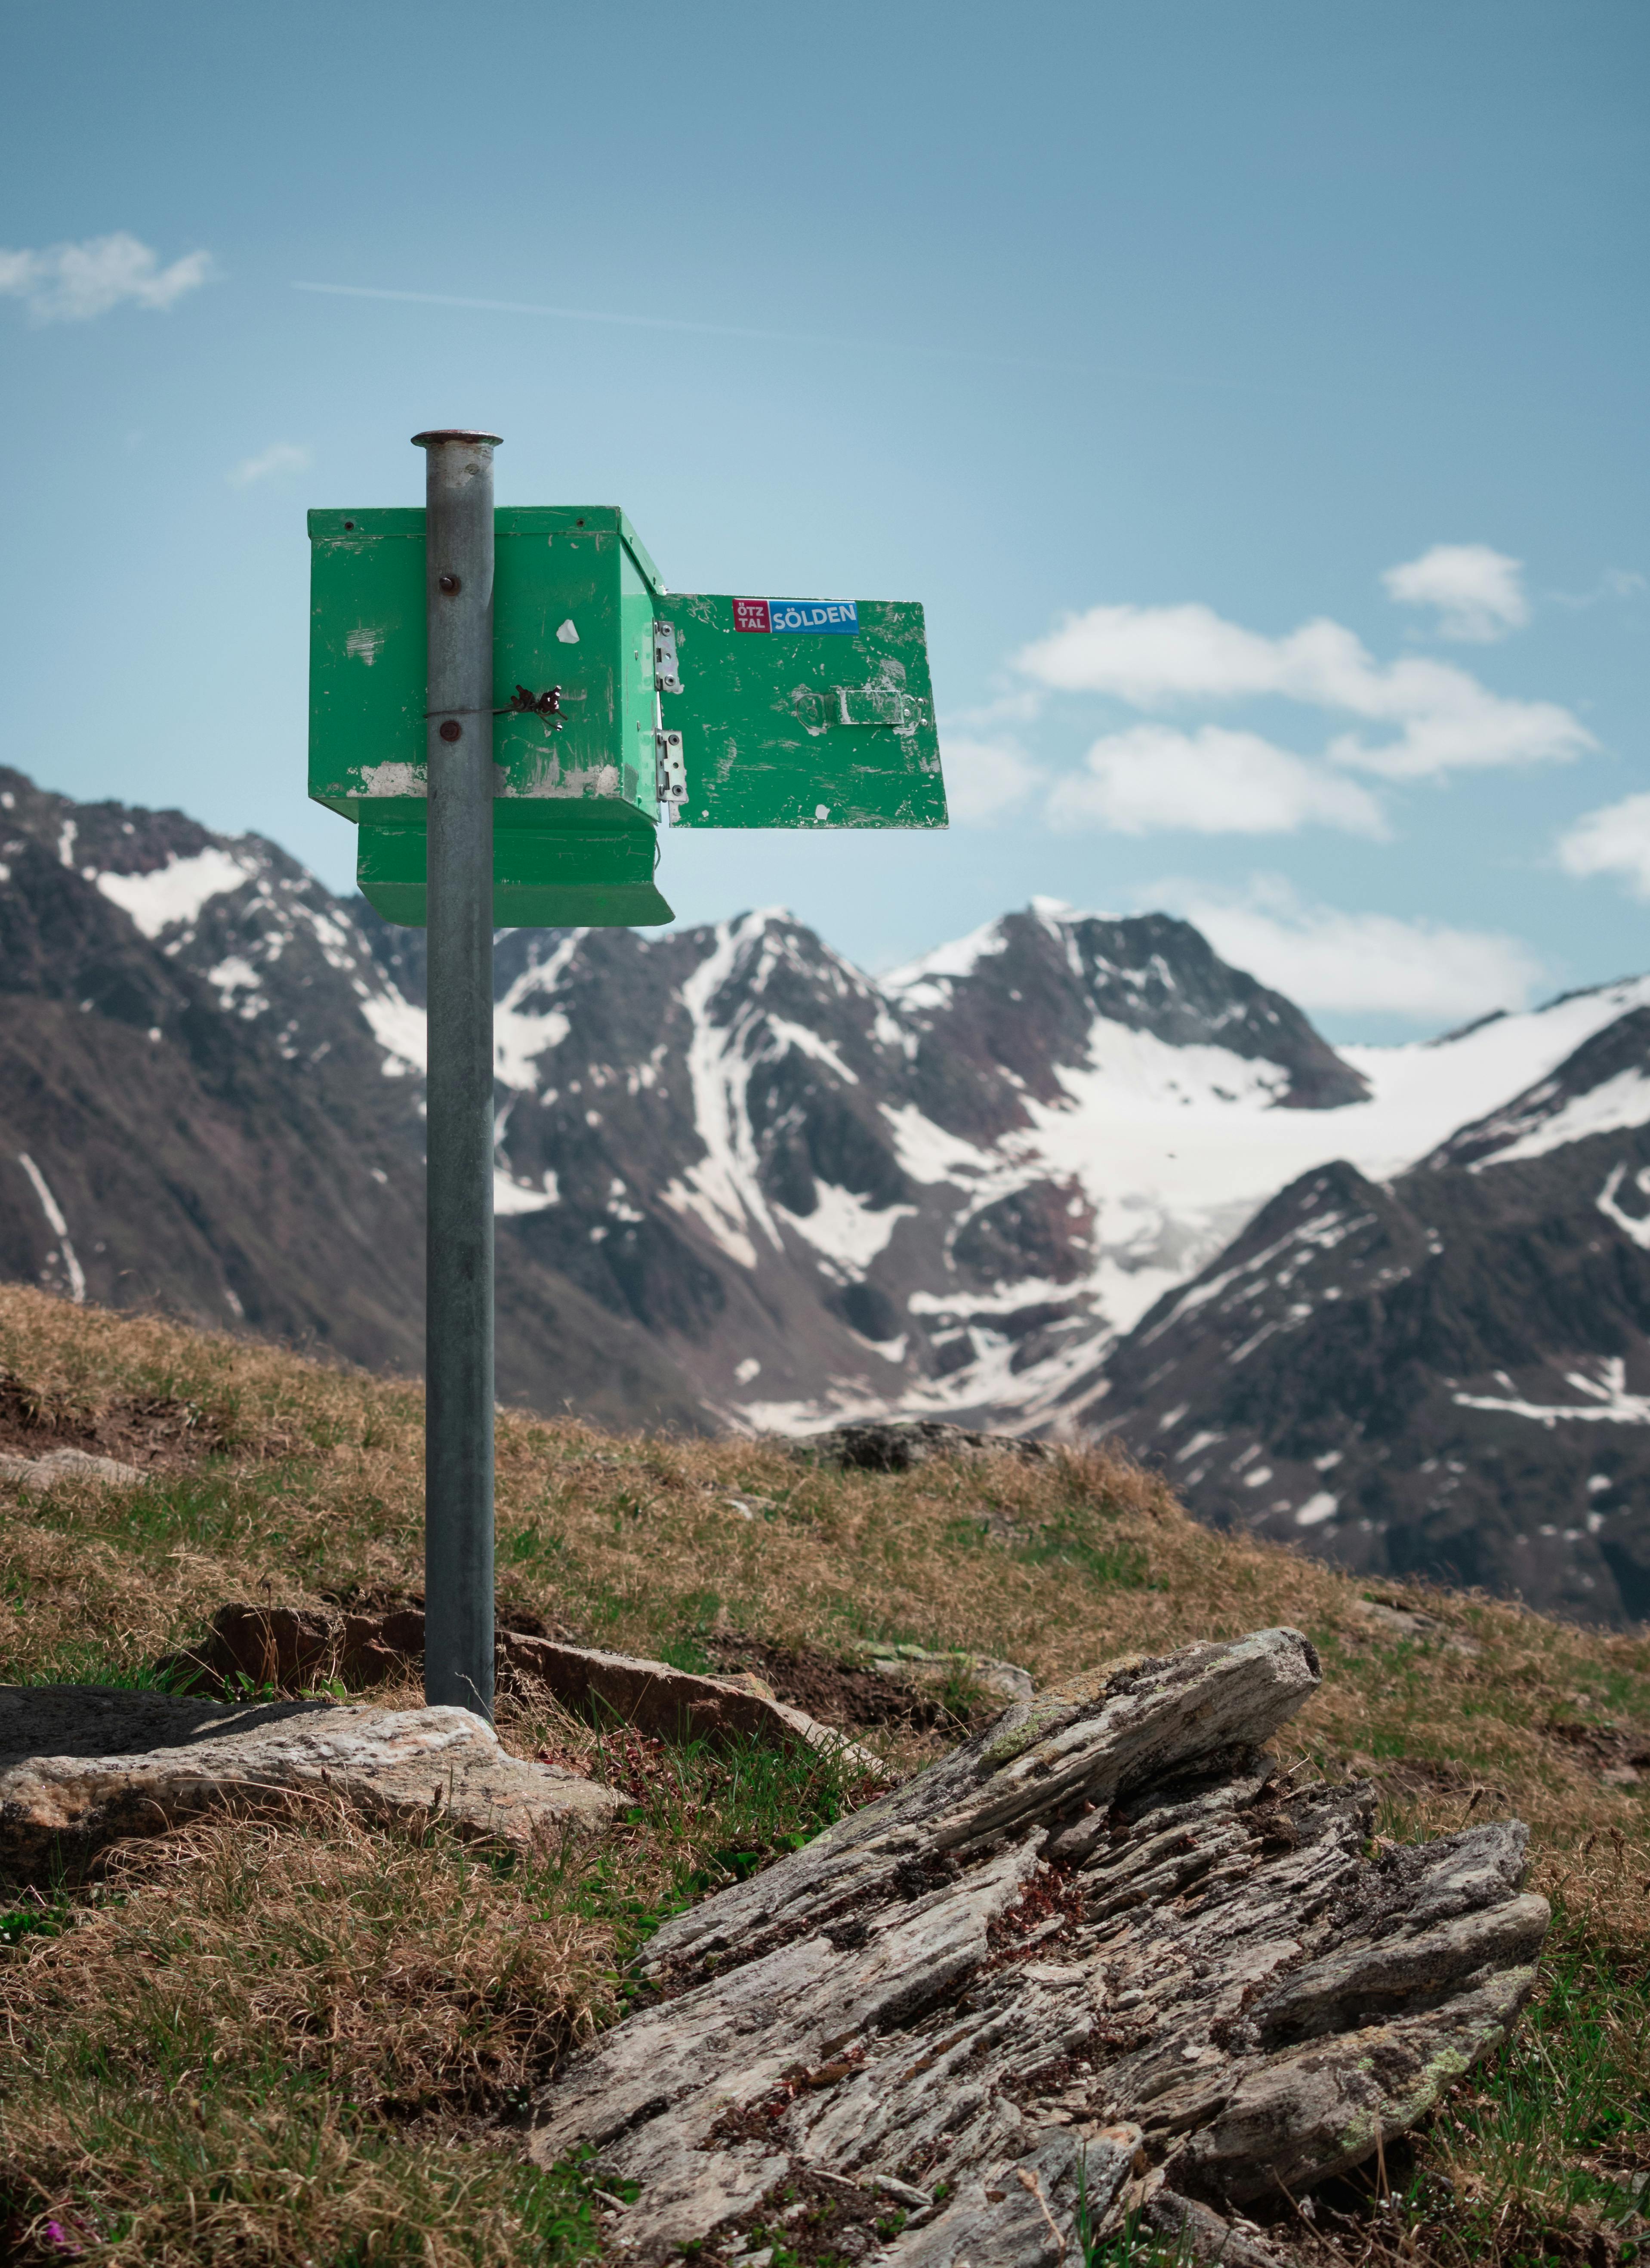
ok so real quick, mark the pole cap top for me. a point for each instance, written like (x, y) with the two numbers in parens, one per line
(456, 433)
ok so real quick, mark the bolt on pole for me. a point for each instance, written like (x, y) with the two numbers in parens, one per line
(459, 1267)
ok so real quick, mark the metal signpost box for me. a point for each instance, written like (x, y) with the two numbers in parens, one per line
(509, 704)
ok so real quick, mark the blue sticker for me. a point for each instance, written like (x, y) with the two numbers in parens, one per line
(840, 615)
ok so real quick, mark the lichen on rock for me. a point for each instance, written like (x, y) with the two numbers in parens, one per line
(1106, 1945)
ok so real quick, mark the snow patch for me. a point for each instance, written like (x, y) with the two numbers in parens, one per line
(399, 1029)
(1610, 1403)
(928, 1154)
(177, 891)
(811, 1045)
(1614, 1106)
(926, 981)
(846, 1228)
(232, 977)
(58, 1226)
(513, 1196)
(1635, 1225)
(723, 1188)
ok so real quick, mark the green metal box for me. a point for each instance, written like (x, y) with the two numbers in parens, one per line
(573, 604)
(710, 711)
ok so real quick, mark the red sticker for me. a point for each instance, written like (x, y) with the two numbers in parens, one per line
(751, 614)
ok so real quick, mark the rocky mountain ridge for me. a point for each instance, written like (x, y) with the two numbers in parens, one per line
(1447, 1374)
(741, 1183)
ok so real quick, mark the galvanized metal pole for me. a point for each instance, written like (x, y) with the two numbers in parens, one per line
(459, 1268)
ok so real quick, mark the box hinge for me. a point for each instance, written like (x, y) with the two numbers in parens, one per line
(673, 772)
(665, 679)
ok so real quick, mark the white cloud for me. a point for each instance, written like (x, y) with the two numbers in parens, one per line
(985, 778)
(1148, 655)
(1211, 782)
(1479, 593)
(1451, 723)
(280, 457)
(71, 282)
(1152, 657)
(1358, 963)
(1614, 583)
(1613, 841)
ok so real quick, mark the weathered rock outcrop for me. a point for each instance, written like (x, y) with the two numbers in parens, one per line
(894, 1445)
(1104, 1948)
(57, 1465)
(919, 1667)
(83, 1766)
(252, 1647)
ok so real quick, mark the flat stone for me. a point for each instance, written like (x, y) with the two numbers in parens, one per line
(674, 1703)
(917, 1666)
(281, 1648)
(85, 1765)
(68, 1465)
(1403, 1622)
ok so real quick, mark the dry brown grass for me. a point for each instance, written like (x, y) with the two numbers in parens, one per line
(404, 1973)
(307, 1478)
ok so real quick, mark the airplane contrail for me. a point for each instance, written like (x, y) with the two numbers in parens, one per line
(682, 323)
(817, 339)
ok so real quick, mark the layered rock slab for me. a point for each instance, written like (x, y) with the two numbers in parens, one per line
(1104, 1945)
(82, 1766)
(288, 1647)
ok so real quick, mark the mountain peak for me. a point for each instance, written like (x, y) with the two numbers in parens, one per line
(740, 1182)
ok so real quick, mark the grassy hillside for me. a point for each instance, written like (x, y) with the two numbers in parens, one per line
(310, 2042)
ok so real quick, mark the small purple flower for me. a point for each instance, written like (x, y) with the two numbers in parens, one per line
(57, 2234)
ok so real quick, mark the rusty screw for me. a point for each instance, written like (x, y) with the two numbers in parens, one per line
(451, 730)
(452, 585)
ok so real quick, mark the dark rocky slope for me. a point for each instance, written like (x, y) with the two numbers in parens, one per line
(738, 1181)
(159, 1143)
(1449, 1377)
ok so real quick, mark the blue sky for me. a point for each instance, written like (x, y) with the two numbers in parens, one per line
(1133, 340)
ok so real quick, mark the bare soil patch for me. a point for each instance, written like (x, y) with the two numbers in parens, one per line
(161, 1431)
(841, 1693)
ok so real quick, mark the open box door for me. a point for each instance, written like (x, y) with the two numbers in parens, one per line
(800, 712)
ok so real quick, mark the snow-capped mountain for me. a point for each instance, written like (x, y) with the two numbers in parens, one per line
(209, 1100)
(835, 1195)
(1030, 1180)
(1445, 1373)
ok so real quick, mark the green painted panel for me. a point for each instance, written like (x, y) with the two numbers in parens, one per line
(806, 728)
(367, 654)
(597, 874)
(573, 605)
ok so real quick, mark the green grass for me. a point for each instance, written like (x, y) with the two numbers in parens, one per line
(269, 2043)
(170, 2113)
(1552, 2130)
(698, 1611)
(90, 1661)
(1132, 2246)
(763, 1801)
(1112, 1566)
(259, 2156)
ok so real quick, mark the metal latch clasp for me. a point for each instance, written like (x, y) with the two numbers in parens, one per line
(673, 771)
(547, 706)
(665, 679)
